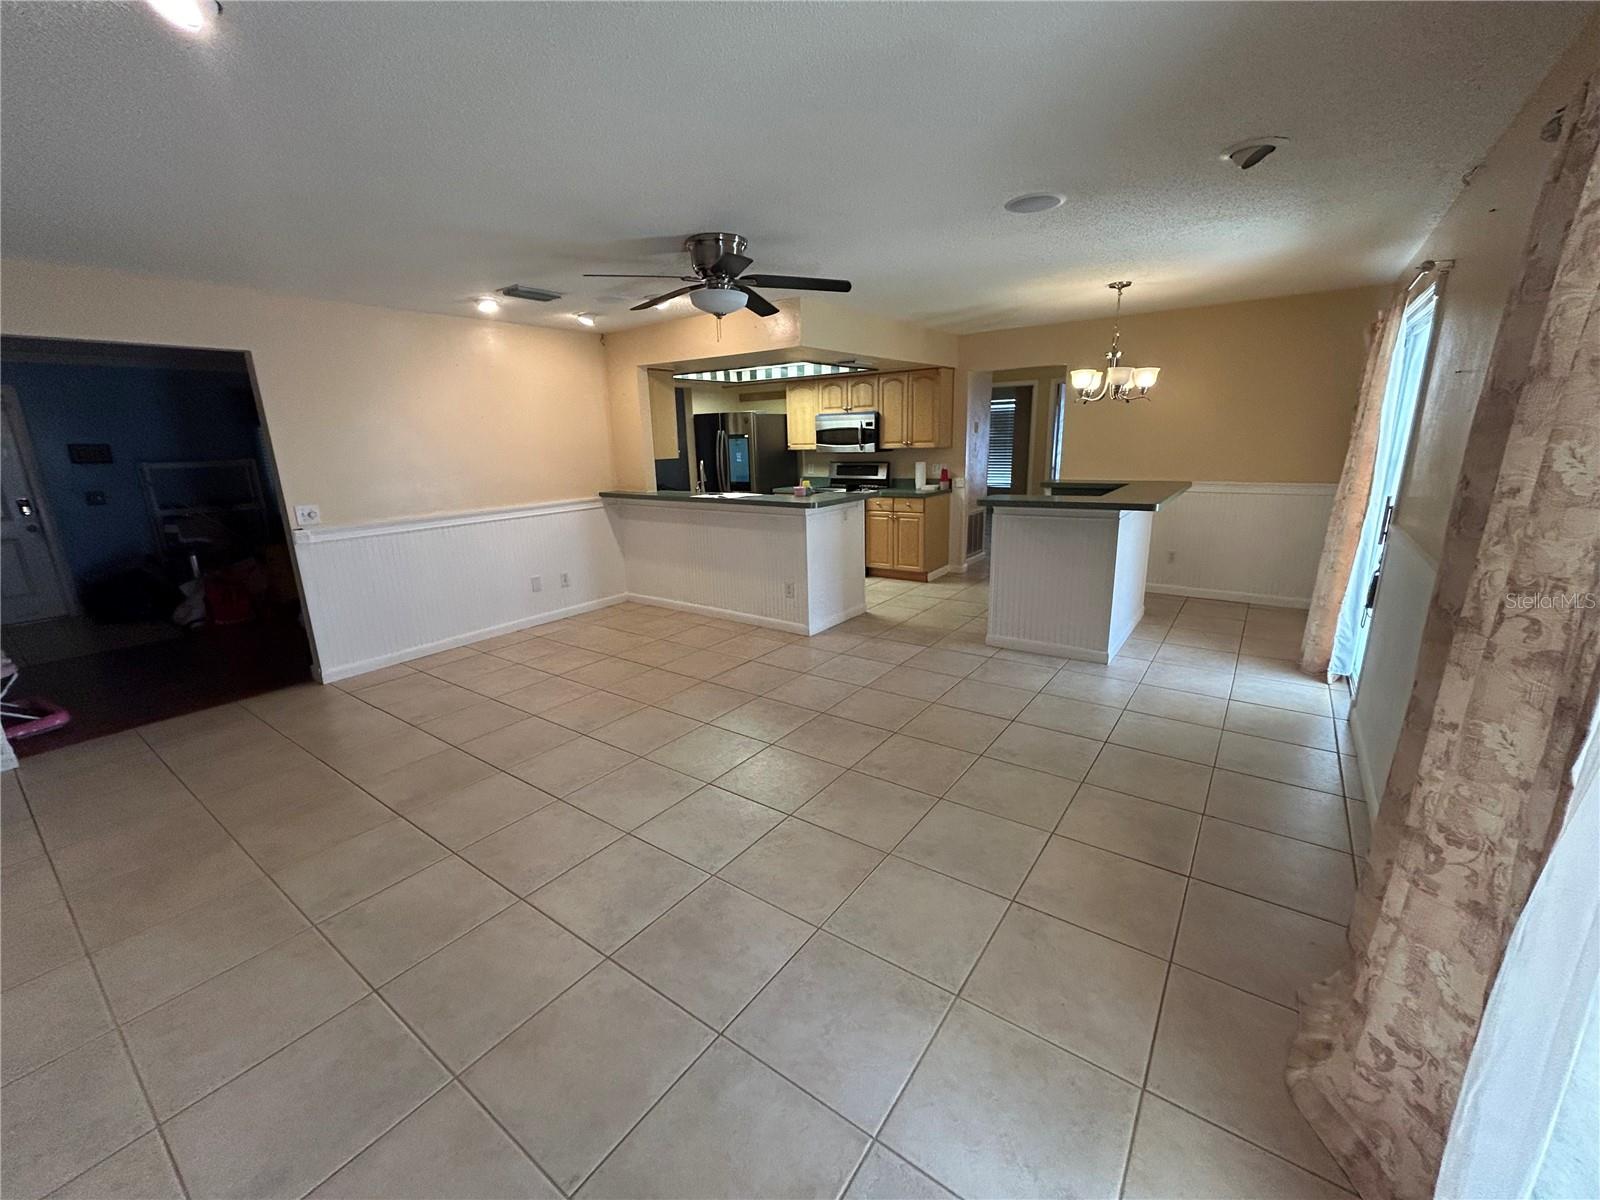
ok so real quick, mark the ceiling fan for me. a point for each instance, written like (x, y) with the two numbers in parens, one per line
(719, 285)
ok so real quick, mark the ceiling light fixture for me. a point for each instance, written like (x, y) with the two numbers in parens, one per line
(1034, 202)
(1116, 381)
(585, 319)
(187, 15)
(487, 305)
(718, 301)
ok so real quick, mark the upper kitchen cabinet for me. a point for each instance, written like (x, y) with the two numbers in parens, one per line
(801, 407)
(861, 393)
(831, 395)
(917, 408)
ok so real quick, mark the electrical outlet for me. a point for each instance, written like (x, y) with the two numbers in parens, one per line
(538, 583)
(307, 514)
(565, 580)
(788, 591)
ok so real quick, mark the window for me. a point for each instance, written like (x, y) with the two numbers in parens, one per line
(1058, 429)
(1002, 442)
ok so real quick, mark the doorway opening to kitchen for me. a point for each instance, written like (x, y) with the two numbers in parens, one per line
(147, 571)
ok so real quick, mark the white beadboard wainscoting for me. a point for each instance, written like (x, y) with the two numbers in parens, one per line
(799, 571)
(383, 593)
(1254, 542)
(1389, 665)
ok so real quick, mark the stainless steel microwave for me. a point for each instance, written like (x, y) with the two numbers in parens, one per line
(847, 432)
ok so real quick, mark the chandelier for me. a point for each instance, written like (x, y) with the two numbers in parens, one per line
(1116, 381)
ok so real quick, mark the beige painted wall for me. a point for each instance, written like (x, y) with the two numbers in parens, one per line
(1484, 231)
(374, 414)
(1262, 391)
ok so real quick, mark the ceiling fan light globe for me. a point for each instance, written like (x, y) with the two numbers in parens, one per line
(718, 301)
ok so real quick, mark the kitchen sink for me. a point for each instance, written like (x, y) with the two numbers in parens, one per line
(725, 495)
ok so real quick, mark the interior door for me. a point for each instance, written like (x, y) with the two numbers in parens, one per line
(30, 588)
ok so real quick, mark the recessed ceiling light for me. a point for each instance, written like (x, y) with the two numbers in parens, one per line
(487, 305)
(1035, 202)
(187, 15)
(585, 319)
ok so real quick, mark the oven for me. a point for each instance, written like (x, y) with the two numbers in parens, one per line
(847, 432)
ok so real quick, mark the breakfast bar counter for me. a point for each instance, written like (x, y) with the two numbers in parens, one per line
(1067, 567)
(787, 562)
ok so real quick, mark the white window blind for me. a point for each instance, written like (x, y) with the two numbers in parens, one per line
(1058, 429)
(1002, 442)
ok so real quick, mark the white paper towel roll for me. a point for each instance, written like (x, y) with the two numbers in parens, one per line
(922, 474)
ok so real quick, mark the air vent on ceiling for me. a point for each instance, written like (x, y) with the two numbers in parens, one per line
(519, 291)
(1251, 151)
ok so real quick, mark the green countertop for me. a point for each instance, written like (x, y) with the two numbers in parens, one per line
(1138, 495)
(776, 502)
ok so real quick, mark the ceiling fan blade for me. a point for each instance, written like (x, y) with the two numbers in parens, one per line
(730, 264)
(800, 283)
(758, 304)
(624, 275)
(683, 291)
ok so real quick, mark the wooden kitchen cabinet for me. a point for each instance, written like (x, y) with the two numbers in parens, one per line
(800, 405)
(892, 410)
(908, 538)
(917, 409)
(830, 395)
(861, 393)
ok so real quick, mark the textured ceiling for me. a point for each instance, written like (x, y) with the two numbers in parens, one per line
(414, 155)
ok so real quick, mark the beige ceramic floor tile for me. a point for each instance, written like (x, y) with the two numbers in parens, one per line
(732, 1128)
(914, 682)
(1178, 706)
(955, 728)
(477, 811)
(917, 764)
(764, 718)
(35, 941)
(531, 852)
(1177, 739)
(1263, 948)
(757, 678)
(1294, 874)
(1219, 1053)
(631, 795)
(1064, 754)
(1086, 993)
(994, 1111)
(450, 1149)
(1093, 689)
(50, 1015)
(991, 699)
(1177, 1154)
(1142, 829)
(67, 1116)
(1303, 729)
(1067, 715)
(608, 898)
(869, 810)
(518, 742)
(709, 827)
(714, 950)
(1283, 808)
(850, 668)
(881, 710)
(976, 847)
(403, 924)
(571, 766)
(289, 1123)
(884, 1175)
(1161, 777)
(802, 869)
(779, 778)
(928, 923)
(439, 774)
(1179, 677)
(707, 752)
(141, 1168)
(947, 662)
(572, 1081)
(646, 730)
(834, 740)
(357, 868)
(203, 1038)
(844, 1025)
(1268, 759)
(1131, 902)
(1021, 794)
(1305, 697)
(469, 995)
(704, 701)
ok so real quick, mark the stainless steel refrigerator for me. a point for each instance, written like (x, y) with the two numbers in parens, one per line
(745, 452)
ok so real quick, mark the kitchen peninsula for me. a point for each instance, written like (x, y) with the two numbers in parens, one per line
(1067, 567)
(787, 562)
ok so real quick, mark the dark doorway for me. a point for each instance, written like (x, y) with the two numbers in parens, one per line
(672, 474)
(142, 512)
(1010, 423)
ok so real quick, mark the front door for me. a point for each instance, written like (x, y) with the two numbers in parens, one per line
(30, 588)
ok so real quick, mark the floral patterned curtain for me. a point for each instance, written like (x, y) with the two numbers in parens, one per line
(1506, 685)
(1354, 490)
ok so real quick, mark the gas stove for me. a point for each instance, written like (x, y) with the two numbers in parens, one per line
(858, 476)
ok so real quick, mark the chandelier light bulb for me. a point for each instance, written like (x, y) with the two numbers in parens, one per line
(1116, 381)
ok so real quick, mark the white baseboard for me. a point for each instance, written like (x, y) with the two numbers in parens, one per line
(1199, 593)
(377, 662)
(744, 618)
(1371, 788)
(1081, 653)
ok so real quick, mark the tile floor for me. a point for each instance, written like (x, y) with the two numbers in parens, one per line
(643, 904)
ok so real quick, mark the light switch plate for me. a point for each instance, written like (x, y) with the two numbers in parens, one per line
(307, 514)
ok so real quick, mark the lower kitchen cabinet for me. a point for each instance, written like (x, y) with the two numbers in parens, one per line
(908, 538)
